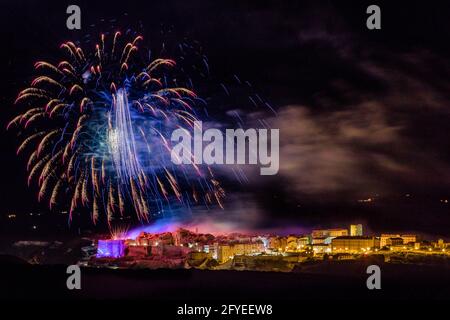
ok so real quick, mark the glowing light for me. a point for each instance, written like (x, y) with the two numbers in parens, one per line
(110, 248)
(119, 232)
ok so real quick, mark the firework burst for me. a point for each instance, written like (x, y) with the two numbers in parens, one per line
(96, 126)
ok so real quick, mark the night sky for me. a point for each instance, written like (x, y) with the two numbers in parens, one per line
(362, 114)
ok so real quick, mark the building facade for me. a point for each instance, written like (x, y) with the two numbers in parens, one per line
(385, 237)
(354, 244)
(408, 238)
(325, 233)
(356, 230)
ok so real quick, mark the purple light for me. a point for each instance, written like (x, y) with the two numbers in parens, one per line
(163, 225)
(110, 248)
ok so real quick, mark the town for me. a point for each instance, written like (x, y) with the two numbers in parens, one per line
(183, 248)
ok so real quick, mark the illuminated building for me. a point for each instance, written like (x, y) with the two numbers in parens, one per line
(322, 240)
(441, 245)
(356, 230)
(130, 242)
(408, 238)
(324, 233)
(138, 251)
(397, 241)
(354, 244)
(385, 237)
(239, 248)
(292, 243)
(110, 248)
(318, 240)
(295, 243)
(304, 241)
(210, 250)
(277, 243)
(321, 248)
(247, 248)
(224, 253)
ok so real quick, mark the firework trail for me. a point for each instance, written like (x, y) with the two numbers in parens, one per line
(96, 126)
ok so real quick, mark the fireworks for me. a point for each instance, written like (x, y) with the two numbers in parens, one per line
(96, 127)
(119, 232)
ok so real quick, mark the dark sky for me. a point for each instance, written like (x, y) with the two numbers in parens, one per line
(361, 113)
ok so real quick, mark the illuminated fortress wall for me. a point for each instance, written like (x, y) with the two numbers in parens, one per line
(110, 248)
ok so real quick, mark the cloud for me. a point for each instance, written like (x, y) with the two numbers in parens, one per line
(333, 152)
(363, 140)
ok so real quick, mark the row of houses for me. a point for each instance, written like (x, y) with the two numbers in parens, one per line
(224, 248)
